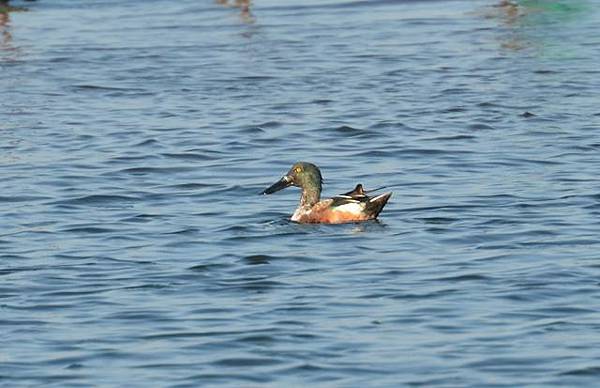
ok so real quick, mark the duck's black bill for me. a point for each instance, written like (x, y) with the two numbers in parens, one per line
(279, 185)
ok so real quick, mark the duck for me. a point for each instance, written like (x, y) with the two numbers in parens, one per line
(351, 207)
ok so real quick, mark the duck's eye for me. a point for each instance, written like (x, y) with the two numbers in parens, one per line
(298, 170)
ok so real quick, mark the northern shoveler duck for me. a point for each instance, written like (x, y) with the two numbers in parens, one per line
(353, 206)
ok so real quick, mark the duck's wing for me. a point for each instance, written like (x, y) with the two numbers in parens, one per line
(356, 196)
(357, 201)
(357, 192)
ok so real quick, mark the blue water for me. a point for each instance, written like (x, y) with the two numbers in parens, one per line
(136, 136)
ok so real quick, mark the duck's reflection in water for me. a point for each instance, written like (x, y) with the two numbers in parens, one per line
(243, 5)
(510, 13)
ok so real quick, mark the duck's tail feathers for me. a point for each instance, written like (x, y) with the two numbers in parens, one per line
(376, 204)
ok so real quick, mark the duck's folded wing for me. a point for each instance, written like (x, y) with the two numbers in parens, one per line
(357, 193)
(356, 196)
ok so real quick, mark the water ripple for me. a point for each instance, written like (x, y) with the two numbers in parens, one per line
(136, 249)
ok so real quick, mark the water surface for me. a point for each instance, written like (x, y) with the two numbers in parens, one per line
(135, 138)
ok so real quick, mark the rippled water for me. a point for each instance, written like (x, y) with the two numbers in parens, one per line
(136, 136)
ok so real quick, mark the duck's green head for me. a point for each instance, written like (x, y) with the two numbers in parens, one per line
(302, 174)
